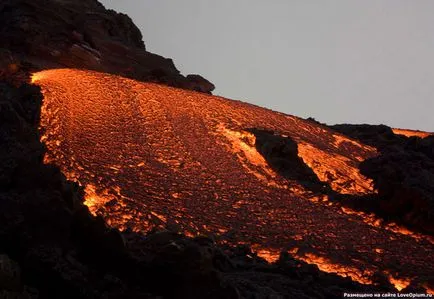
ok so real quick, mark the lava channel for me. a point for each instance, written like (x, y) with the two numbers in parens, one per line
(151, 156)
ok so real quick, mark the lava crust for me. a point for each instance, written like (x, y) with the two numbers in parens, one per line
(151, 156)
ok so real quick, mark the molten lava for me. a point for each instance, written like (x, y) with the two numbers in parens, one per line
(154, 156)
(411, 133)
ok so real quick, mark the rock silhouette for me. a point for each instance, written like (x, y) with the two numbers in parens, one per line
(46, 34)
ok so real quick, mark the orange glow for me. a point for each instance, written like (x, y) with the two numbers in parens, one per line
(399, 284)
(243, 146)
(93, 200)
(151, 156)
(35, 77)
(269, 255)
(429, 290)
(328, 266)
(411, 133)
(339, 171)
(373, 220)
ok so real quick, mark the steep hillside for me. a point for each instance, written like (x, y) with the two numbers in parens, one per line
(151, 157)
(122, 178)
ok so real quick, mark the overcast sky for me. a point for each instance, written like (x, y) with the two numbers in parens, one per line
(365, 61)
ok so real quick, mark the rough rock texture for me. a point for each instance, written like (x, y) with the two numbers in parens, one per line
(403, 174)
(281, 153)
(42, 34)
(64, 252)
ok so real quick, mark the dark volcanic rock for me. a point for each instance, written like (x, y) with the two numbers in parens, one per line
(82, 34)
(199, 83)
(281, 153)
(403, 174)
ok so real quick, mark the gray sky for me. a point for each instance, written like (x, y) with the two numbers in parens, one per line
(365, 61)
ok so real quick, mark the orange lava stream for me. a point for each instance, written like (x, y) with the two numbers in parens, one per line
(375, 221)
(329, 266)
(411, 133)
(338, 171)
(151, 156)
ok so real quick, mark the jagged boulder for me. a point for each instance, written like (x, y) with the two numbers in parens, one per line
(199, 83)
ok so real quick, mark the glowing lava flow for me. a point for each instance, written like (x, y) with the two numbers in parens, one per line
(154, 156)
(411, 133)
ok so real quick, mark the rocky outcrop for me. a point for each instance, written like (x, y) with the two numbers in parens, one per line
(403, 174)
(43, 34)
(281, 153)
(199, 83)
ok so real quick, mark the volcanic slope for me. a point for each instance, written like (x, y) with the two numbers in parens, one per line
(154, 156)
